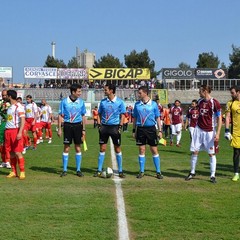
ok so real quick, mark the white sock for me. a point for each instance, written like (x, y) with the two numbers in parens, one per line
(213, 164)
(194, 159)
(179, 136)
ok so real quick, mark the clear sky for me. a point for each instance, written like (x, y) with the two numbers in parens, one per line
(172, 31)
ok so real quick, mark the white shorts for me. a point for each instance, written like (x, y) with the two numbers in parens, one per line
(191, 130)
(202, 141)
(176, 128)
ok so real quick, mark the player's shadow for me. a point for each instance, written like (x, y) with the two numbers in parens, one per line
(220, 167)
(59, 170)
(84, 170)
(183, 173)
(225, 167)
(45, 169)
(174, 173)
(4, 173)
(127, 172)
(173, 151)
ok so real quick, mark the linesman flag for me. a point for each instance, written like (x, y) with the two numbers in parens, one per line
(163, 142)
(85, 148)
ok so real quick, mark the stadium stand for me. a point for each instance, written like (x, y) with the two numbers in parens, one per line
(129, 95)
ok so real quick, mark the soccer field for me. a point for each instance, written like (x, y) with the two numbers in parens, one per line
(45, 206)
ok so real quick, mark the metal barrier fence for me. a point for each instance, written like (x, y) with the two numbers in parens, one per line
(180, 90)
(186, 84)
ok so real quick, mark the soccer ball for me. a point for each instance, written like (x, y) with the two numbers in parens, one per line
(107, 173)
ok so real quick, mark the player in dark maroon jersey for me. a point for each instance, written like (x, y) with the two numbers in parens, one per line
(205, 134)
(192, 117)
(176, 116)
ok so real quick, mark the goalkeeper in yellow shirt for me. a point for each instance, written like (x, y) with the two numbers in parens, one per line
(233, 135)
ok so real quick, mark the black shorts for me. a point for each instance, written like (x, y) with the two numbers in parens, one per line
(72, 131)
(107, 131)
(146, 135)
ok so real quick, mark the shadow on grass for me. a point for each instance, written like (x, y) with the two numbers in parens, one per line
(184, 173)
(131, 173)
(45, 169)
(84, 170)
(59, 170)
(220, 167)
(4, 173)
(174, 173)
(173, 151)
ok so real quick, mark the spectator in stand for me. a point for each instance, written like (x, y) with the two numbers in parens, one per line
(136, 84)
(176, 116)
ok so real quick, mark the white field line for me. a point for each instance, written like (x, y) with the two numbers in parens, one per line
(122, 219)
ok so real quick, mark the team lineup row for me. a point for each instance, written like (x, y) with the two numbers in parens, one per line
(204, 119)
(17, 119)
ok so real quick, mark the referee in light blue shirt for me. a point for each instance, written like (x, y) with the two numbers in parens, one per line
(146, 117)
(72, 113)
(110, 120)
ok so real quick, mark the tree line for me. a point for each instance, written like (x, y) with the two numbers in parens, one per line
(142, 60)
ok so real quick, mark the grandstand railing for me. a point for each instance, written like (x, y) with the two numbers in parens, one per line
(186, 84)
(175, 88)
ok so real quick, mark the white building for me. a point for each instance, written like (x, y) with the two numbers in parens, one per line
(85, 59)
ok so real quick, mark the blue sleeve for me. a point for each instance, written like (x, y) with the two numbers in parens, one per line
(218, 113)
(134, 113)
(100, 108)
(156, 110)
(123, 108)
(84, 109)
(60, 110)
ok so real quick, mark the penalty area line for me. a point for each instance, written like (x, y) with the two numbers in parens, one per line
(122, 219)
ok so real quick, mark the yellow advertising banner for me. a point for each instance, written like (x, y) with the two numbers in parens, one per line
(161, 94)
(118, 73)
